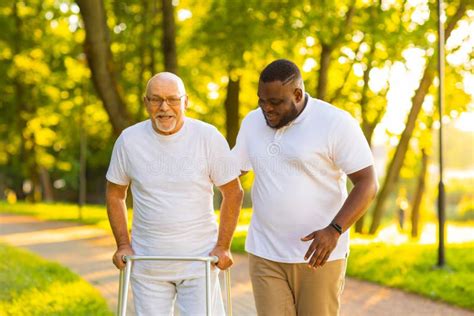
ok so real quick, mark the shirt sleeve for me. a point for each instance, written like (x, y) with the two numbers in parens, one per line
(118, 167)
(239, 152)
(350, 150)
(222, 166)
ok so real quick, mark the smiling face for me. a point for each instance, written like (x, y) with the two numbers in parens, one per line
(165, 103)
(280, 103)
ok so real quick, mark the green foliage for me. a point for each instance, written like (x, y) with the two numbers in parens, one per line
(34, 286)
(411, 267)
(47, 83)
(47, 90)
(460, 199)
(466, 207)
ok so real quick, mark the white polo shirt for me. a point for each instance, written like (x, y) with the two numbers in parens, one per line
(172, 181)
(300, 177)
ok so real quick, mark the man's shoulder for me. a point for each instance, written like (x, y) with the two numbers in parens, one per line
(254, 114)
(135, 130)
(252, 118)
(201, 128)
(329, 112)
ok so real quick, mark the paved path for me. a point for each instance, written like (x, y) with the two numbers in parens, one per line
(87, 250)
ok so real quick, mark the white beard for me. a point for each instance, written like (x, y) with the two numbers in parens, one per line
(165, 128)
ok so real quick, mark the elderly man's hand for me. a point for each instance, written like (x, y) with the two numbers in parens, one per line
(224, 255)
(125, 250)
(324, 242)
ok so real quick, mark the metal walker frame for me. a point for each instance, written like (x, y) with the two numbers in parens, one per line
(126, 272)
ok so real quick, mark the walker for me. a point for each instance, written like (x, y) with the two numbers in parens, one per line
(125, 280)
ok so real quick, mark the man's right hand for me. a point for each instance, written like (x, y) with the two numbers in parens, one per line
(118, 255)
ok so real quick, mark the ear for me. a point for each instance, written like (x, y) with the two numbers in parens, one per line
(145, 102)
(185, 102)
(298, 93)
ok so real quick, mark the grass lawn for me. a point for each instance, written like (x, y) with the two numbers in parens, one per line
(91, 214)
(33, 286)
(408, 266)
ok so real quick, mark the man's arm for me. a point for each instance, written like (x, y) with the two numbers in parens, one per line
(325, 240)
(232, 194)
(117, 212)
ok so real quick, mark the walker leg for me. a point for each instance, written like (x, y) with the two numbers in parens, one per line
(119, 304)
(208, 288)
(124, 293)
(227, 286)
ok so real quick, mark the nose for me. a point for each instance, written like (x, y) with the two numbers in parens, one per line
(163, 106)
(266, 106)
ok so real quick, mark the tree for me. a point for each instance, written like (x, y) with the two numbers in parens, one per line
(396, 162)
(330, 38)
(227, 37)
(418, 196)
(169, 37)
(99, 57)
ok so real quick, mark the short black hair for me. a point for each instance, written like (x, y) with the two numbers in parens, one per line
(280, 70)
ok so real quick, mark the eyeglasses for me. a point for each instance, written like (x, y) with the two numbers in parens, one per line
(171, 101)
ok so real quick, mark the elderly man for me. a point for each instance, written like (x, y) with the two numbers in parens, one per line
(172, 163)
(301, 150)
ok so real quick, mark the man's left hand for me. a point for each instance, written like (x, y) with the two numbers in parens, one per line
(324, 242)
(224, 255)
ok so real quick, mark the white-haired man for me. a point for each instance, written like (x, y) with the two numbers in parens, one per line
(172, 163)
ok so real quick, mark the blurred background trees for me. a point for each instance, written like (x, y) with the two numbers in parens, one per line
(79, 68)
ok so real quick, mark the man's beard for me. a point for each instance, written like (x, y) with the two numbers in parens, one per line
(285, 119)
(163, 128)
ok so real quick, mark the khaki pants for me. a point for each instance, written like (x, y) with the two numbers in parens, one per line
(282, 289)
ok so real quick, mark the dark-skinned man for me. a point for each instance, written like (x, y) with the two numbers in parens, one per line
(301, 150)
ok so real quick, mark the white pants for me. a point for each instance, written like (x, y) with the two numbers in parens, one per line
(156, 297)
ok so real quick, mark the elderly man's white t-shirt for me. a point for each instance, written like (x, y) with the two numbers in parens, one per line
(300, 177)
(172, 181)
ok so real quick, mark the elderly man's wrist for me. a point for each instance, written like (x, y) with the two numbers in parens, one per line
(223, 246)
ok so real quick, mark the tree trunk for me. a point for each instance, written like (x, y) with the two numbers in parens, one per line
(359, 225)
(144, 42)
(154, 25)
(3, 187)
(46, 186)
(396, 163)
(232, 110)
(99, 57)
(420, 189)
(169, 37)
(325, 60)
(328, 48)
(23, 108)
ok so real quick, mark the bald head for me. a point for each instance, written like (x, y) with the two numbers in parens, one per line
(166, 79)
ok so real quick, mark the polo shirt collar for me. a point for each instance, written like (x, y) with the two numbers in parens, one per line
(304, 112)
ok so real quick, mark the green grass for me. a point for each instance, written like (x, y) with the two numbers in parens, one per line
(91, 214)
(33, 286)
(410, 267)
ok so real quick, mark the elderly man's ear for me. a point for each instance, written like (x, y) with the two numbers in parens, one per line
(185, 102)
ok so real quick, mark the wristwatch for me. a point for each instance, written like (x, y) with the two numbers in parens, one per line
(336, 227)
